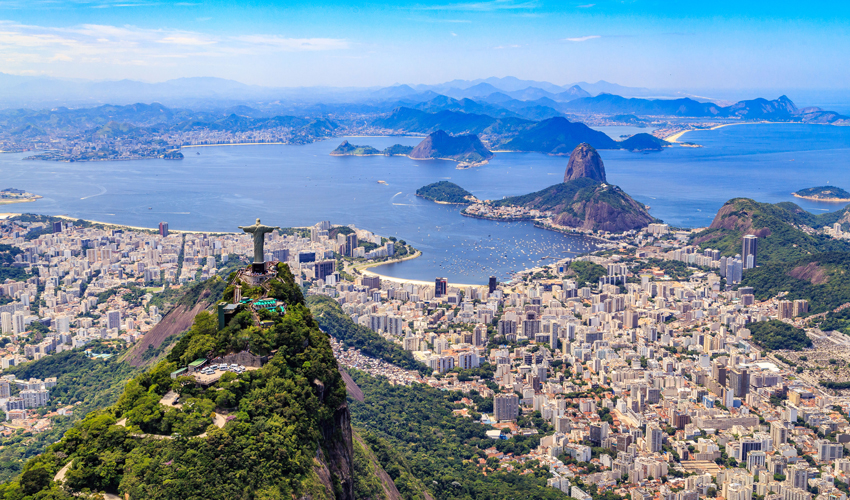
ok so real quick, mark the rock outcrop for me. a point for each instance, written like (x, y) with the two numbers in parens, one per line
(585, 162)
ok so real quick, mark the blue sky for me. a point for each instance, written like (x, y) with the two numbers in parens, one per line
(659, 44)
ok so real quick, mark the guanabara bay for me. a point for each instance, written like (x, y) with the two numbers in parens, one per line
(430, 250)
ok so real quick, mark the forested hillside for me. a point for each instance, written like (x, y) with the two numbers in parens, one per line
(274, 432)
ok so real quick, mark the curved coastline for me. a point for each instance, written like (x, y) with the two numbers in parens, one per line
(365, 269)
(825, 200)
(442, 202)
(154, 229)
(674, 138)
(498, 219)
(12, 201)
(538, 224)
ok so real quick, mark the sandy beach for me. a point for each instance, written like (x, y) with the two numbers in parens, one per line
(678, 135)
(364, 269)
(18, 200)
(825, 200)
(139, 228)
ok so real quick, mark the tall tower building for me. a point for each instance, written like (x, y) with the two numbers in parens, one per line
(18, 323)
(163, 229)
(654, 438)
(748, 255)
(734, 270)
(113, 319)
(492, 284)
(6, 322)
(441, 287)
(350, 244)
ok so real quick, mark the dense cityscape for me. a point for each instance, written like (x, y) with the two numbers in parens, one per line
(457, 250)
(636, 370)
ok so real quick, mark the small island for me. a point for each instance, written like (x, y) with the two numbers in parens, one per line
(824, 193)
(348, 149)
(447, 193)
(12, 195)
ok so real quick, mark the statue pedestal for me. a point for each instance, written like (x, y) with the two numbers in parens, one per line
(258, 273)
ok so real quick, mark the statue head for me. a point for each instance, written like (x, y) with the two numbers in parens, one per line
(258, 221)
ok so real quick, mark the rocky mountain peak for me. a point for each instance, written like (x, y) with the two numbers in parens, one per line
(585, 162)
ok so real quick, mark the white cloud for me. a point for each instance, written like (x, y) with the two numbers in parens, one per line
(587, 6)
(487, 6)
(123, 45)
(500, 47)
(581, 38)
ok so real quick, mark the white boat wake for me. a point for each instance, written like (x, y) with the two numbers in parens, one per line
(102, 191)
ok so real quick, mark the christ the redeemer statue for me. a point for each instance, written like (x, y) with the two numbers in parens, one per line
(259, 232)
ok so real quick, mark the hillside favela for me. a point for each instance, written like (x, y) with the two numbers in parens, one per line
(498, 249)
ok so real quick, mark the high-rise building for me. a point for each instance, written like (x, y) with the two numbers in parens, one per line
(492, 284)
(506, 327)
(750, 247)
(800, 307)
(739, 381)
(441, 287)
(6, 322)
(57, 227)
(829, 451)
(163, 229)
(306, 257)
(505, 407)
(350, 244)
(785, 309)
(18, 323)
(778, 433)
(718, 373)
(113, 319)
(281, 255)
(63, 324)
(738, 491)
(654, 438)
(371, 282)
(479, 335)
(324, 268)
(734, 270)
(630, 319)
(797, 476)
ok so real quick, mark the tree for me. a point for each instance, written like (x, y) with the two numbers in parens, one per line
(34, 480)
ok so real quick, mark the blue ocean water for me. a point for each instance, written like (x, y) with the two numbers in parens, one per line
(218, 188)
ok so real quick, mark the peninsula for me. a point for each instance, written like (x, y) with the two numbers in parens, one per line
(584, 201)
(12, 195)
(830, 194)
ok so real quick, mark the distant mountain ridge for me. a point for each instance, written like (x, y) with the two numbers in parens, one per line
(780, 109)
(153, 117)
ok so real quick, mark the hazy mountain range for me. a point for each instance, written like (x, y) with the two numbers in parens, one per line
(500, 98)
(42, 91)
